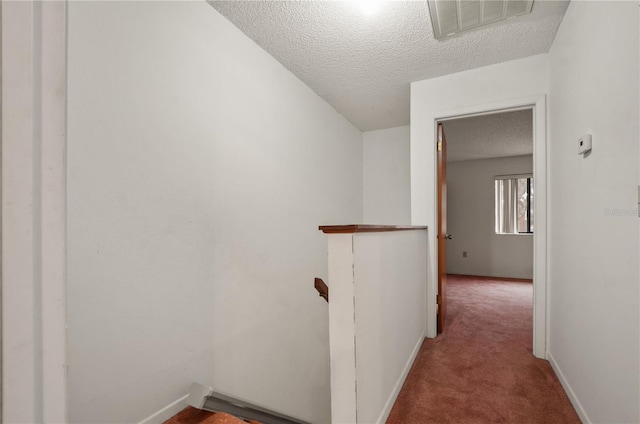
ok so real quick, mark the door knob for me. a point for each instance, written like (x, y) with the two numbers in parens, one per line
(448, 236)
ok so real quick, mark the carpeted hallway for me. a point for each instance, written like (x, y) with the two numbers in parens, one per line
(481, 369)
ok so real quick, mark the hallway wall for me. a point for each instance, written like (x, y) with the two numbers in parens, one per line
(386, 176)
(594, 302)
(199, 169)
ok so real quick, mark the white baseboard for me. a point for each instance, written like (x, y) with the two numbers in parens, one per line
(567, 388)
(382, 418)
(167, 412)
(177, 406)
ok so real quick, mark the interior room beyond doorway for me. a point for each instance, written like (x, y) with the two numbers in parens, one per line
(483, 154)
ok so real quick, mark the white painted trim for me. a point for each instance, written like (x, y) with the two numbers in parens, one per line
(33, 210)
(570, 393)
(53, 74)
(18, 252)
(342, 329)
(540, 257)
(167, 412)
(384, 414)
(541, 234)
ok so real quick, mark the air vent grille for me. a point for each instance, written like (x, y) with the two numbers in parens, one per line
(452, 16)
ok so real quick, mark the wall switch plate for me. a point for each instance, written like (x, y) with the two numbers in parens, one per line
(584, 144)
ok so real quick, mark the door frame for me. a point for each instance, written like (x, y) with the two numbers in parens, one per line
(34, 98)
(540, 253)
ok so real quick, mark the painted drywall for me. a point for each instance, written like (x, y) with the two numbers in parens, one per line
(377, 301)
(594, 301)
(389, 275)
(199, 170)
(470, 220)
(386, 180)
(517, 82)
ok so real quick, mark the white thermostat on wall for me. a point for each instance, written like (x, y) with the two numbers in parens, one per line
(584, 144)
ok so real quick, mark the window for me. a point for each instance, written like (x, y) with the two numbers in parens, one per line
(514, 204)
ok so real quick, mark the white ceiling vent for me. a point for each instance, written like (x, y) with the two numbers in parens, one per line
(452, 16)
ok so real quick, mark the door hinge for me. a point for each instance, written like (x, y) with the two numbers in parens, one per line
(439, 146)
(438, 299)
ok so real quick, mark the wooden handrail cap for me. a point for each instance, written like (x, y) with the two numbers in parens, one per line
(367, 228)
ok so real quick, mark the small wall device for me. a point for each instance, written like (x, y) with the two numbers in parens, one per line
(584, 144)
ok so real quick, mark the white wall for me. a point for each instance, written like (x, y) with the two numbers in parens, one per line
(198, 172)
(594, 307)
(390, 315)
(518, 82)
(470, 219)
(377, 319)
(387, 179)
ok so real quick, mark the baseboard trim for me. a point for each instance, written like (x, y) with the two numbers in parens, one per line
(167, 412)
(567, 388)
(382, 418)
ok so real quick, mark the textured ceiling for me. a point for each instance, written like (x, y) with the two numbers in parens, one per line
(363, 65)
(490, 136)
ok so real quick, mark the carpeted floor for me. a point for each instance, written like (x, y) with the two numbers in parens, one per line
(481, 369)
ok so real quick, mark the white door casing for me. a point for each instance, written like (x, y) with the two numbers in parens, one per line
(33, 211)
(538, 105)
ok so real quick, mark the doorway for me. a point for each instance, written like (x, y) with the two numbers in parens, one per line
(488, 205)
(537, 106)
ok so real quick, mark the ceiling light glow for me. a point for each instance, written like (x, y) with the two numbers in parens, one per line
(369, 7)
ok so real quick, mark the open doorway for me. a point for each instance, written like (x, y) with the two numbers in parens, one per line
(491, 190)
(487, 208)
